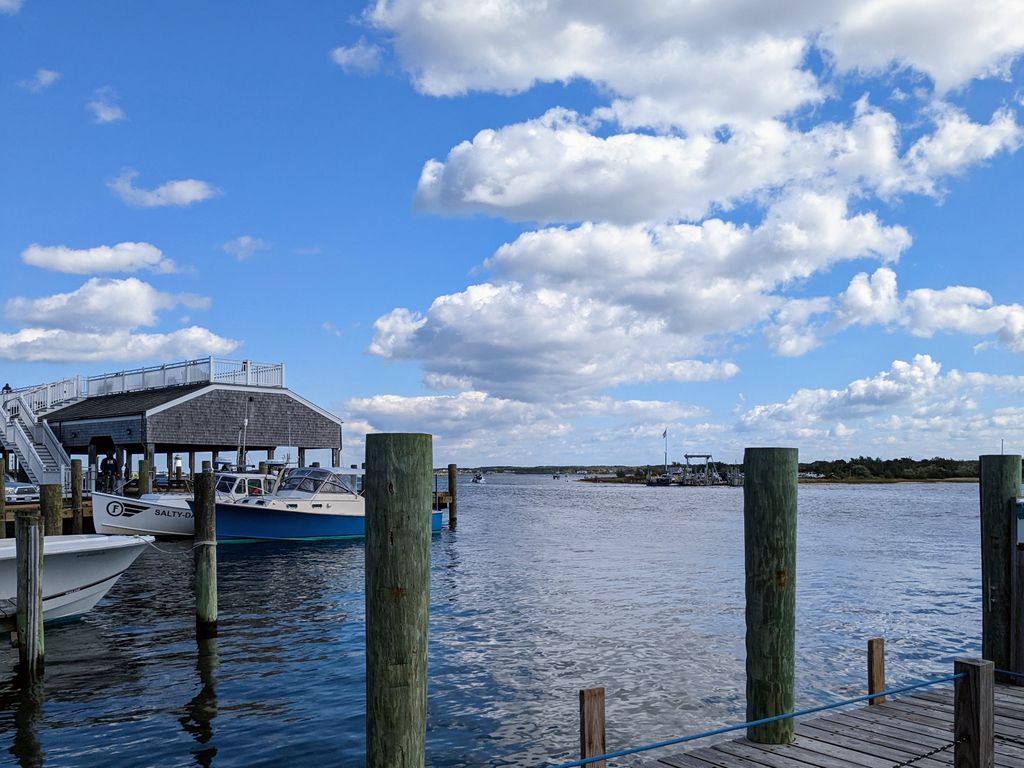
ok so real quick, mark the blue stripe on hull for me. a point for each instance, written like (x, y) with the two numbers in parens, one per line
(235, 522)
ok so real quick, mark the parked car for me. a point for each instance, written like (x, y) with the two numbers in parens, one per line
(15, 490)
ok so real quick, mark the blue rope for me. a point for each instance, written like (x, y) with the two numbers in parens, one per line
(752, 723)
(1008, 672)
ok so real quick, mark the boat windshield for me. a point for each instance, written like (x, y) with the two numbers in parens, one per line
(314, 480)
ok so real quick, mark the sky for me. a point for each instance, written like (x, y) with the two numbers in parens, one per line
(544, 231)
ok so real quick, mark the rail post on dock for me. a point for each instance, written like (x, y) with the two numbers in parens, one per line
(974, 714)
(769, 533)
(3, 498)
(592, 727)
(999, 484)
(876, 669)
(51, 504)
(399, 468)
(205, 555)
(453, 491)
(77, 512)
(145, 476)
(28, 532)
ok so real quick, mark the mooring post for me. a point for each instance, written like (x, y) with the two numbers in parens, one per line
(592, 730)
(876, 669)
(205, 555)
(77, 512)
(28, 532)
(1017, 607)
(1000, 477)
(398, 471)
(3, 498)
(145, 477)
(264, 468)
(769, 539)
(974, 714)
(453, 490)
(51, 504)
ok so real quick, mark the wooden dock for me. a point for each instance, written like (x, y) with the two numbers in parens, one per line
(898, 732)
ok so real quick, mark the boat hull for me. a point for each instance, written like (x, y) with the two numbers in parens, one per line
(246, 522)
(77, 572)
(156, 515)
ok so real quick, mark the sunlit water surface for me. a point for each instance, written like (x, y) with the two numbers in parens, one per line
(548, 586)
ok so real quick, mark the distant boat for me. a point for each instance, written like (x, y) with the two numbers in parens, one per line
(556, 477)
(77, 572)
(309, 503)
(478, 477)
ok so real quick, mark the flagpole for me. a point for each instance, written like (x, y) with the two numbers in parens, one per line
(665, 435)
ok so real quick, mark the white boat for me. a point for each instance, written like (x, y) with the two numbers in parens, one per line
(169, 514)
(77, 572)
(478, 477)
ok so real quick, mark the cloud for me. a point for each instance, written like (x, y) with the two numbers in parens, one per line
(100, 305)
(63, 346)
(181, 193)
(245, 246)
(40, 81)
(123, 257)
(10, 6)
(103, 108)
(330, 328)
(362, 57)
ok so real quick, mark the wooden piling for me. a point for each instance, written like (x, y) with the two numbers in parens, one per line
(876, 669)
(398, 535)
(77, 512)
(453, 490)
(769, 532)
(974, 714)
(3, 498)
(51, 502)
(1000, 477)
(264, 468)
(205, 556)
(145, 476)
(592, 728)
(28, 532)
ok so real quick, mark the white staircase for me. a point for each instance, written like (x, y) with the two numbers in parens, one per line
(26, 433)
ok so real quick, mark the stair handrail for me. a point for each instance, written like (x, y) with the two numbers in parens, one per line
(20, 417)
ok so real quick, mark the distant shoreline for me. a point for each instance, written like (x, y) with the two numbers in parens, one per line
(805, 481)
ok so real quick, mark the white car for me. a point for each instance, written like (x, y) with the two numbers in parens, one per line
(15, 491)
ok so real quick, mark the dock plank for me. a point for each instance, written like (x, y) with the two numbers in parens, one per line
(880, 736)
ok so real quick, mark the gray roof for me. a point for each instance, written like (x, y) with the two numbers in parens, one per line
(123, 404)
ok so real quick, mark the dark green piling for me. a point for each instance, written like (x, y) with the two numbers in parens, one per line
(998, 488)
(399, 468)
(28, 532)
(77, 510)
(51, 503)
(205, 556)
(145, 476)
(769, 533)
(453, 491)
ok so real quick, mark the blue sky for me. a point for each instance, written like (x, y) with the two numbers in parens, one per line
(542, 231)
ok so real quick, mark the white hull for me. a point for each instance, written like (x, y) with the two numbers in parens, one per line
(77, 572)
(153, 514)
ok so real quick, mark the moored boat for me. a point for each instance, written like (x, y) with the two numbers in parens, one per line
(309, 503)
(77, 572)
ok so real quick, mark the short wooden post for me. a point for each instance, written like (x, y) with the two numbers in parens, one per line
(207, 466)
(453, 490)
(28, 532)
(3, 498)
(51, 504)
(302, 457)
(999, 485)
(335, 457)
(592, 731)
(264, 468)
(769, 533)
(398, 535)
(974, 714)
(77, 511)
(145, 476)
(205, 556)
(876, 669)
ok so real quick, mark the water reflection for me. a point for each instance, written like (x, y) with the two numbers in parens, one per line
(25, 699)
(202, 709)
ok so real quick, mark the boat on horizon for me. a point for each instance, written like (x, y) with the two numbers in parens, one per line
(308, 503)
(78, 570)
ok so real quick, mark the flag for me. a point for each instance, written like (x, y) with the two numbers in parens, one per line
(665, 434)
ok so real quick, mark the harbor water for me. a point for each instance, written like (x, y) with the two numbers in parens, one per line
(548, 586)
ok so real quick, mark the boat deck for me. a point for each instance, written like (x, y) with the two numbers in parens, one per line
(899, 732)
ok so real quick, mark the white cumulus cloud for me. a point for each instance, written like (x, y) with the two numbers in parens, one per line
(64, 346)
(179, 193)
(40, 81)
(10, 6)
(245, 246)
(362, 57)
(104, 107)
(122, 257)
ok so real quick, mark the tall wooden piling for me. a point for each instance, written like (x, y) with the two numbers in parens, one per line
(592, 727)
(145, 476)
(205, 556)
(28, 532)
(974, 714)
(3, 498)
(876, 669)
(51, 503)
(999, 485)
(769, 533)
(453, 490)
(398, 475)
(77, 511)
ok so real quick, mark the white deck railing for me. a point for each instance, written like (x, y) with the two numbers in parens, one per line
(213, 369)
